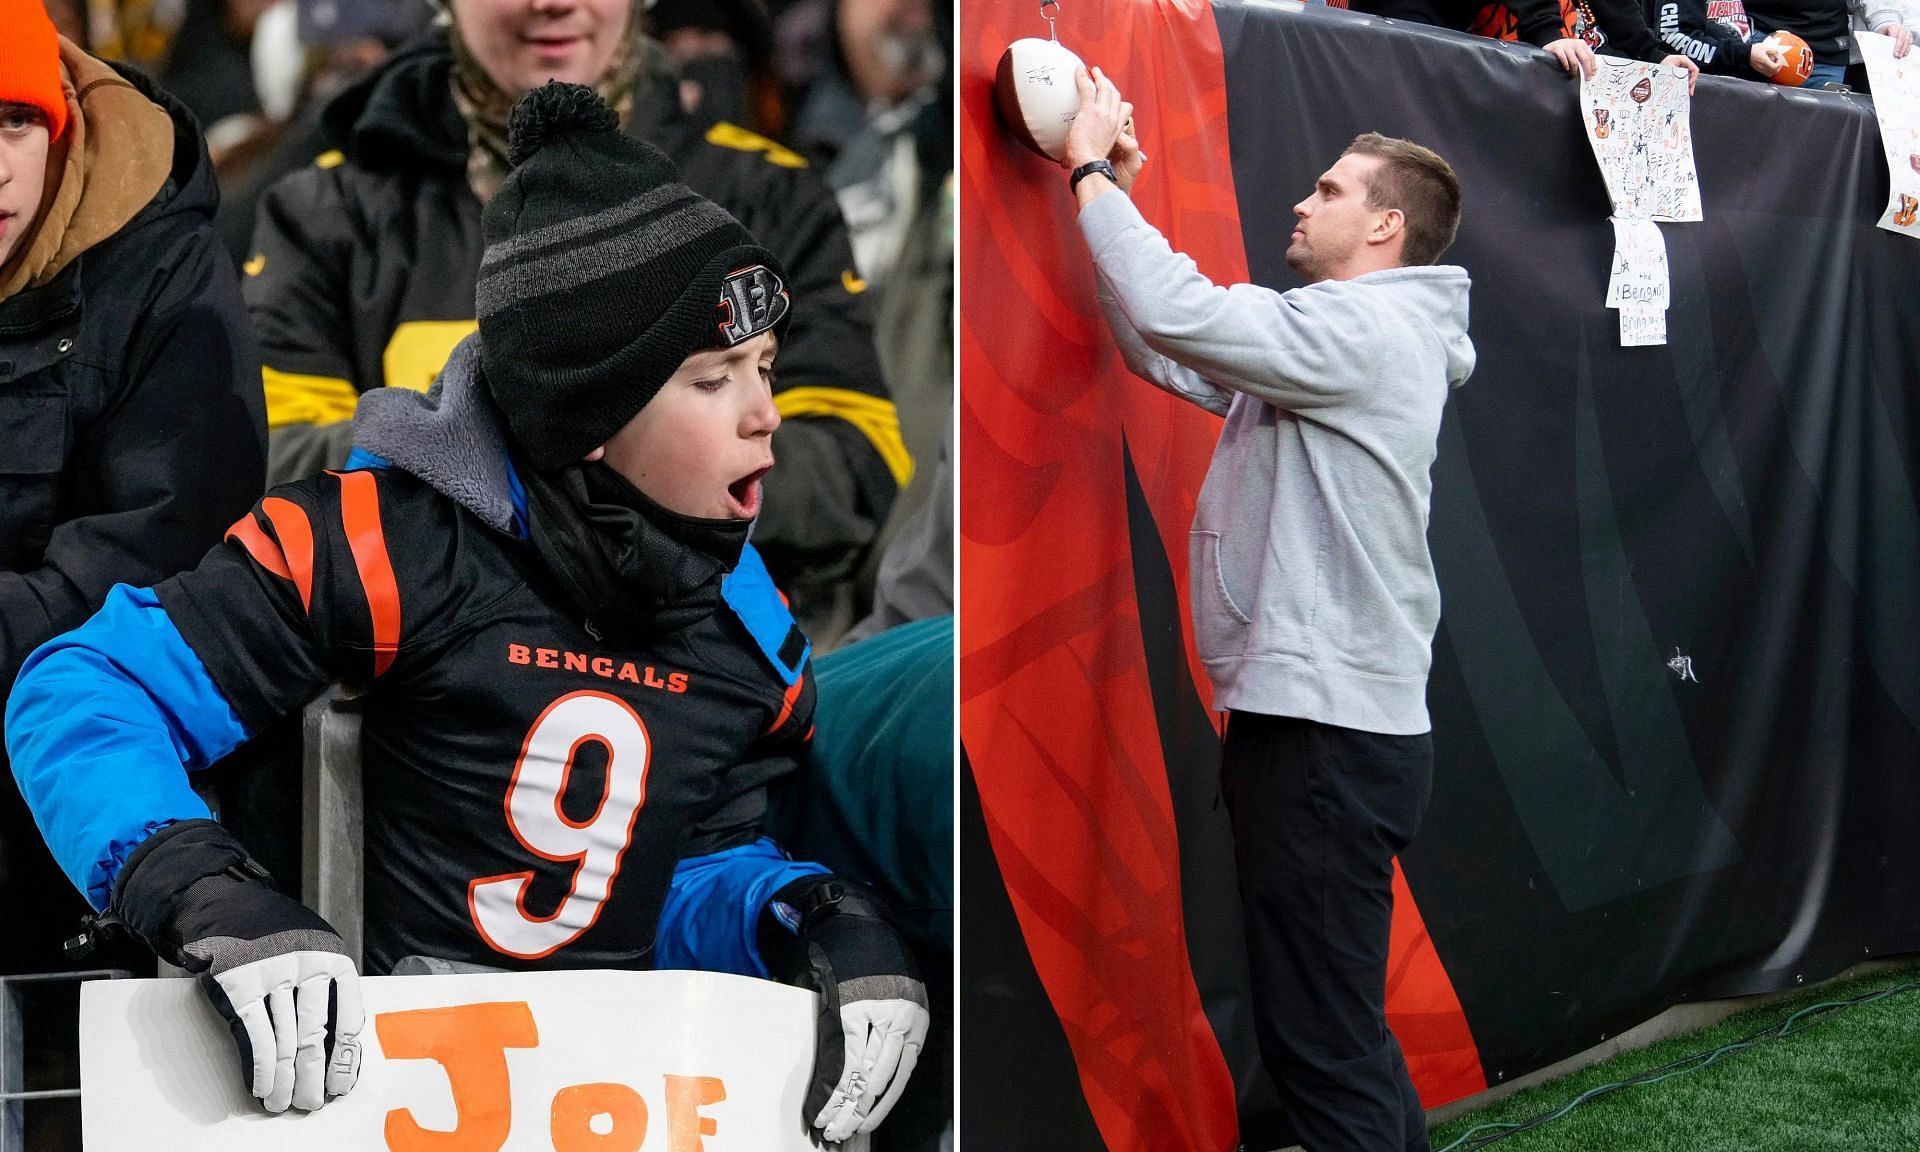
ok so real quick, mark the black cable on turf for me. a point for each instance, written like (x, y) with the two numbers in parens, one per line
(1501, 1131)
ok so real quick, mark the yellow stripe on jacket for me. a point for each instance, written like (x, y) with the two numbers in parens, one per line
(877, 419)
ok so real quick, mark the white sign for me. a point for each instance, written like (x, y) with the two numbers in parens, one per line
(1639, 278)
(1638, 283)
(1896, 100)
(558, 1061)
(1642, 326)
(1636, 117)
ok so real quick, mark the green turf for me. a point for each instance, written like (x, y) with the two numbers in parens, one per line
(1850, 1082)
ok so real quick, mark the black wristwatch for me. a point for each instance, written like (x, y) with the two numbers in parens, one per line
(1104, 167)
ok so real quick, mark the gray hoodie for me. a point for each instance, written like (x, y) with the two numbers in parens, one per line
(1313, 593)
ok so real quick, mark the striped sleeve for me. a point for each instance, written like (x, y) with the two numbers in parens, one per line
(300, 594)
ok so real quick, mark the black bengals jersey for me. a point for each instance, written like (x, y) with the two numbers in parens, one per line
(528, 789)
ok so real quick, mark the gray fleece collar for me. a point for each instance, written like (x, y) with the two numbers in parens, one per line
(452, 437)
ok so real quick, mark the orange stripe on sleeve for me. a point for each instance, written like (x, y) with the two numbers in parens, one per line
(259, 545)
(360, 516)
(786, 704)
(290, 523)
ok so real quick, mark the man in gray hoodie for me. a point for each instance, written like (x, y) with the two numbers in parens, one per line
(1314, 599)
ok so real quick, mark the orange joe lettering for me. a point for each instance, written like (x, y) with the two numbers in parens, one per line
(601, 666)
(470, 1041)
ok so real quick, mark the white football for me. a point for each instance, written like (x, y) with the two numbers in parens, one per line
(1038, 100)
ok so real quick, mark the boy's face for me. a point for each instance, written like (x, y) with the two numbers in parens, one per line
(23, 172)
(522, 44)
(701, 446)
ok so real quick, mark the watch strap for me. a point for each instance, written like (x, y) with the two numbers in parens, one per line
(1104, 167)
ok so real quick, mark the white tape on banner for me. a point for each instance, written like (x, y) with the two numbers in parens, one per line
(626, 1061)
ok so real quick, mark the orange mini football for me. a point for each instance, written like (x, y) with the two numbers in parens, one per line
(1799, 63)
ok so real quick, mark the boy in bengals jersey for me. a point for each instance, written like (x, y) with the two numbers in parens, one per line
(579, 679)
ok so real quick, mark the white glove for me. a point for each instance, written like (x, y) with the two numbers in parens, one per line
(276, 970)
(883, 1038)
(283, 1003)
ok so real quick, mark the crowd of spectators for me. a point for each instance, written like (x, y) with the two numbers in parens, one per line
(1724, 37)
(261, 209)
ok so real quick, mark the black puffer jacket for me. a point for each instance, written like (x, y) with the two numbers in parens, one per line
(1615, 27)
(132, 433)
(1826, 25)
(364, 269)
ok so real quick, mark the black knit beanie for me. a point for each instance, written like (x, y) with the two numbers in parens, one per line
(602, 273)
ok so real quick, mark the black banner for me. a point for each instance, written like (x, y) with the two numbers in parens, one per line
(1676, 686)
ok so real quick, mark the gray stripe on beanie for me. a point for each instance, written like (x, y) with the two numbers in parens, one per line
(581, 225)
(572, 267)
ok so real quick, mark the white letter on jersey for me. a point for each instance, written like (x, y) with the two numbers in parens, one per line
(534, 815)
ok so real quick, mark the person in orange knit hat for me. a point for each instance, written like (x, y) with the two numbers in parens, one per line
(33, 114)
(132, 425)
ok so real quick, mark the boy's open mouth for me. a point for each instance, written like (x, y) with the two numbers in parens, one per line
(743, 495)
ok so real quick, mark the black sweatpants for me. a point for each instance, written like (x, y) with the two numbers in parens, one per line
(1318, 814)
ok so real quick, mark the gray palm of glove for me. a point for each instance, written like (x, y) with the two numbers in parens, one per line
(276, 970)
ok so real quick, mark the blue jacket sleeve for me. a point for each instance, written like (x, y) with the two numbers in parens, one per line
(711, 917)
(100, 725)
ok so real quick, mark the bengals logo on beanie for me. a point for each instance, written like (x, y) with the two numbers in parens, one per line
(752, 300)
(602, 272)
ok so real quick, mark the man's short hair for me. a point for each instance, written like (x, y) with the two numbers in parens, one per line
(1419, 183)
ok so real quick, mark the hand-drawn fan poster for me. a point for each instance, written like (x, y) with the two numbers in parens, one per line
(1896, 100)
(1636, 119)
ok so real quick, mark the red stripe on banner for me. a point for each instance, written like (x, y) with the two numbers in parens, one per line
(360, 516)
(290, 523)
(1057, 712)
(1056, 708)
(1423, 1010)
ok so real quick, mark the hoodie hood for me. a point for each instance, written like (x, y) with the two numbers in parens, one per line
(402, 115)
(129, 150)
(452, 437)
(1437, 295)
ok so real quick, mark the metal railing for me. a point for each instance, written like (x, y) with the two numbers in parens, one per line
(15, 1096)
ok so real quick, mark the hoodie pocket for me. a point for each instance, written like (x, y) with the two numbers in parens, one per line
(1219, 626)
(33, 449)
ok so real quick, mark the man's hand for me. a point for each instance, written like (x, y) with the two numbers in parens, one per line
(1902, 38)
(1767, 57)
(272, 967)
(1573, 55)
(1096, 127)
(1127, 159)
(1684, 63)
